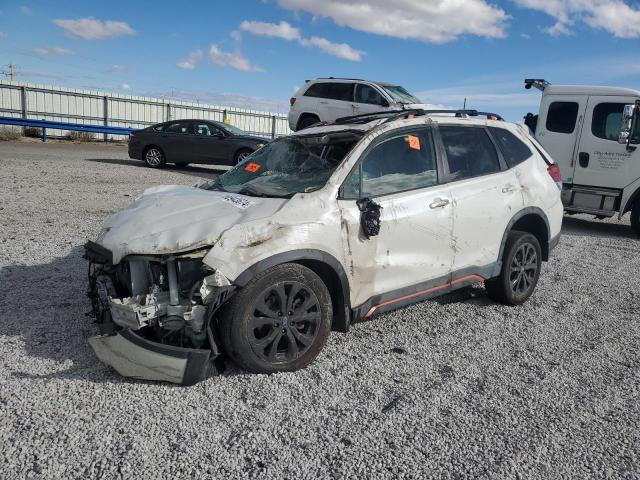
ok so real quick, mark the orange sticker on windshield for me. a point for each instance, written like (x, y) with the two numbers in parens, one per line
(252, 167)
(414, 142)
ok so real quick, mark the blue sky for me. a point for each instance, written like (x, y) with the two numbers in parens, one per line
(254, 53)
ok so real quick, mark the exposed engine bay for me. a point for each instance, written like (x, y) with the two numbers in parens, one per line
(164, 300)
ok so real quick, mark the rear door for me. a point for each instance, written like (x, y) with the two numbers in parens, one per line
(485, 196)
(601, 160)
(561, 118)
(399, 172)
(339, 101)
(175, 140)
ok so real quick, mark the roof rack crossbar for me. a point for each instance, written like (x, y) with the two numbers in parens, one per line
(396, 114)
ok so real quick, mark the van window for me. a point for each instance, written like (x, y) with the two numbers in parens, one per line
(470, 152)
(403, 162)
(607, 120)
(513, 149)
(562, 117)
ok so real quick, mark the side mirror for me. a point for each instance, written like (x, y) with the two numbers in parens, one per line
(630, 128)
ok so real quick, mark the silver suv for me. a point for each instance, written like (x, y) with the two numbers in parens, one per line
(327, 99)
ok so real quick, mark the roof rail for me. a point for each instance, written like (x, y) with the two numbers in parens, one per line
(392, 115)
(340, 78)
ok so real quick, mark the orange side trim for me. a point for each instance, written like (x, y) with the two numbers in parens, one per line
(477, 278)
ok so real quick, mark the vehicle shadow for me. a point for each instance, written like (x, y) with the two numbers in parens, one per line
(583, 227)
(200, 171)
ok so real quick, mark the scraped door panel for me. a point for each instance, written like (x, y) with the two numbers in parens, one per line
(414, 244)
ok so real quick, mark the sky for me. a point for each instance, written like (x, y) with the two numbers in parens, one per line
(256, 53)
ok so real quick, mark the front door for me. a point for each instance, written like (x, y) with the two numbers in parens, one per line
(601, 160)
(414, 243)
(561, 117)
(210, 144)
(368, 100)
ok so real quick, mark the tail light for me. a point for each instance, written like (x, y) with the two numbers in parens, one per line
(133, 136)
(554, 171)
(292, 100)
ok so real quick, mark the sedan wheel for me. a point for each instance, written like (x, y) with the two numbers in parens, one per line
(154, 158)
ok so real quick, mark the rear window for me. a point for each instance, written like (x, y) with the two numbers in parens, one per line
(562, 117)
(470, 152)
(513, 149)
(332, 91)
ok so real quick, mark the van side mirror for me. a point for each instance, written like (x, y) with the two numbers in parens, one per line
(630, 128)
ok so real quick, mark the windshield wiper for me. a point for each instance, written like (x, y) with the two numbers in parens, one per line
(246, 190)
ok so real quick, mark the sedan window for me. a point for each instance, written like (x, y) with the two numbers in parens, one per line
(177, 127)
(203, 128)
(397, 164)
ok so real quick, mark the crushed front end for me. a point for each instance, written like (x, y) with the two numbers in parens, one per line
(156, 314)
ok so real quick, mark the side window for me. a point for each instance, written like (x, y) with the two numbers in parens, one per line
(368, 94)
(607, 120)
(341, 91)
(318, 90)
(562, 117)
(204, 128)
(177, 127)
(397, 164)
(513, 149)
(470, 152)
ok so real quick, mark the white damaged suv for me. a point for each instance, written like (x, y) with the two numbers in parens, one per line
(319, 230)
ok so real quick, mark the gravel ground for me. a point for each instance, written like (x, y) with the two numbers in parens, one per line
(458, 387)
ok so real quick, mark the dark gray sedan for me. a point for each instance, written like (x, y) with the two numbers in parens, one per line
(192, 141)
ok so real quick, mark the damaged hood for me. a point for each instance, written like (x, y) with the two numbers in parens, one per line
(172, 219)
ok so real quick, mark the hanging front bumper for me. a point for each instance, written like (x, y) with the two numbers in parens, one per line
(136, 357)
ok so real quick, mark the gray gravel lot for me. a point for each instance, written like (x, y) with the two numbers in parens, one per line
(458, 387)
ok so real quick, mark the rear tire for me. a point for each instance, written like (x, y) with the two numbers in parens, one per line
(635, 218)
(279, 321)
(521, 265)
(154, 157)
(306, 121)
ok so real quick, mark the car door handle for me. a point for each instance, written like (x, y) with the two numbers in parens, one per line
(583, 159)
(508, 189)
(439, 203)
(324, 103)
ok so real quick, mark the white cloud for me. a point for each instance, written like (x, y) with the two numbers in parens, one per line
(232, 59)
(117, 69)
(434, 21)
(189, 62)
(282, 30)
(125, 86)
(340, 50)
(4, 34)
(286, 31)
(26, 10)
(93, 29)
(54, 51)
(615, 16)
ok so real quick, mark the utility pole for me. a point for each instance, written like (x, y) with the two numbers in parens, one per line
(11, 72)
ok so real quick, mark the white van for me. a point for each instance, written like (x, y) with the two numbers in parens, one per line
(592, 133)
(327, 99)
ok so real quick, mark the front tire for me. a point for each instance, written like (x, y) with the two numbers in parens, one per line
(240, 155)
(635, 217)
(279, 321)
(154, 157)
(521, 266)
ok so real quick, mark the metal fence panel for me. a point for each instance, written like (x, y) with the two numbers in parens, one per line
(46, 102)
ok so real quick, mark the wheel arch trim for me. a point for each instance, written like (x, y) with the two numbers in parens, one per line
(342, 317)
(518, 216)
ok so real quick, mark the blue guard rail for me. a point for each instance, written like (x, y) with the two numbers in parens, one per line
(44, 124)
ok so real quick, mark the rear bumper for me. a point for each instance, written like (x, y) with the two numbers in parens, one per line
(553, 243)
(135, 151)
(136, 357)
